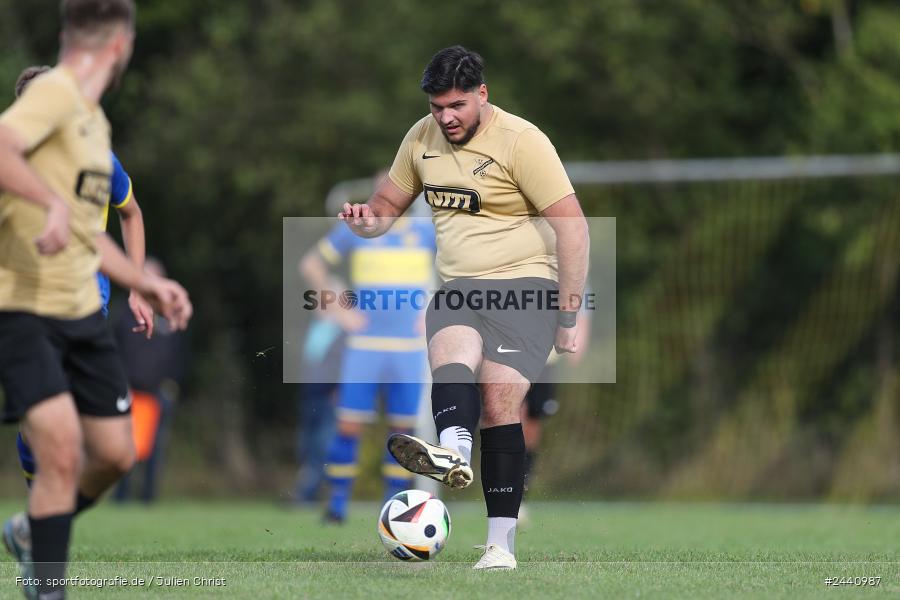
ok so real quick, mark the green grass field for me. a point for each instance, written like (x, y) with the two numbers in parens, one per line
(568, 550)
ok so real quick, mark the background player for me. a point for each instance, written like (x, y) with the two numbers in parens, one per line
(487, 175)
(156, 370)
(323, 349)
(385, 347)
(61, 376)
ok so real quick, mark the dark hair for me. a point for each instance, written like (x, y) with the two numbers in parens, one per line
(453, 68)
(80, 17)
(27, 75)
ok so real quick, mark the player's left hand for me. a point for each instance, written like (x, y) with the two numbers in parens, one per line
(143, 314)
(169, 299)
(566, 341)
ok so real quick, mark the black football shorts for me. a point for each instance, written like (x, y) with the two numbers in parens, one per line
(515, 317)
(41, 357)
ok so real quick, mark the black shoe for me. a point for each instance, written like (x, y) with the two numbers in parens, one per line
(333, 518)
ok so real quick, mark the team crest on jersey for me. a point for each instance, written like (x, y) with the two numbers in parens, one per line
(93, 186)
(481, 166)
(453, 198)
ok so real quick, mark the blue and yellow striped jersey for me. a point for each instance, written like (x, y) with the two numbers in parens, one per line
(120, 194)
(393, 266)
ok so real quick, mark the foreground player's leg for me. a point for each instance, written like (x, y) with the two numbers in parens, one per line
(54, 433)
(502, 461)
(456, 407)
(110, 454)
(16, 529)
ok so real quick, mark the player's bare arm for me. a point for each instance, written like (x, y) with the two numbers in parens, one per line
(17, 177)
(315, 271)
(165, 295)
(377, 215)
(133, 236)
(572, 245)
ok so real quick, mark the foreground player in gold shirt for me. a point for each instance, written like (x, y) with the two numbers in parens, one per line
(512, 247)
(60, 372)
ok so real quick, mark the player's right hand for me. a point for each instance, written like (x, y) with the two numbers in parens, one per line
(55, 235)
(566, 340)
(169, 299)
(359, 217)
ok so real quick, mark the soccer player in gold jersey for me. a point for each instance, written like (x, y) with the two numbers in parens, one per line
(512, 247)
(60, 373)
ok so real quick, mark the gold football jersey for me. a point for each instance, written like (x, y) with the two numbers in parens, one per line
(486, 196)
(68, 141)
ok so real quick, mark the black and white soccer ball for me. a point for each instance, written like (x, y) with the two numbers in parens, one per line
(414, 526)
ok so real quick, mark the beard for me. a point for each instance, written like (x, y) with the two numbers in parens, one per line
(468, 133)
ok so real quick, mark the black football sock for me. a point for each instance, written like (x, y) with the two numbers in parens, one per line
(50, 552)
(503, 469)
(456, 406)
(82, 503)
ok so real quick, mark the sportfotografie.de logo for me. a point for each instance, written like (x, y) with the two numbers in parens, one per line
(406, 299)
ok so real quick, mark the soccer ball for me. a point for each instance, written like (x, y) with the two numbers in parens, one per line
(414, 526)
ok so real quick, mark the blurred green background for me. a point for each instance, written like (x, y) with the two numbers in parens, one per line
(758, 322)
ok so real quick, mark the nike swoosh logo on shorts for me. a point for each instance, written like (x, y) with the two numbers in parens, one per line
(503, 350)
(426, 157)
(123, 403)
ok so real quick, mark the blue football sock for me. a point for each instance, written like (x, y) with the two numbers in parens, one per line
(26, 459)
(341, 470)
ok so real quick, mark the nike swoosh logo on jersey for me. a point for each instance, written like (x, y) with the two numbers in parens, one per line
(503, 350)
(426, 157)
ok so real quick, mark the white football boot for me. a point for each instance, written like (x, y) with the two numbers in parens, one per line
(418, 456)
(495, 557)
(17, 539)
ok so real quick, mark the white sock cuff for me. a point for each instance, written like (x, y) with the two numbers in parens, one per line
(459, 439)
(502, 532)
